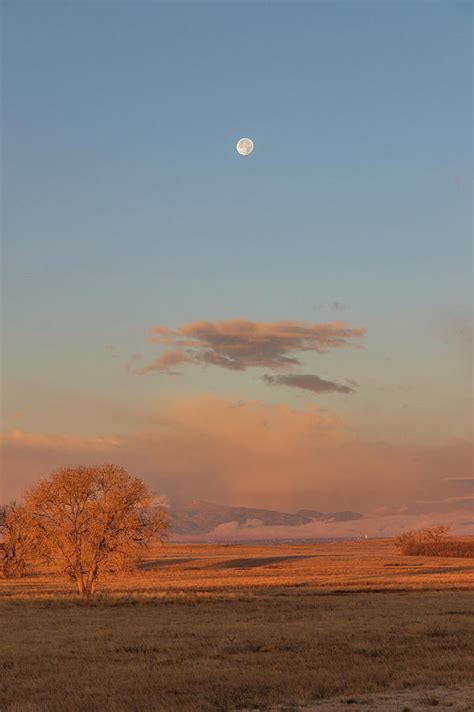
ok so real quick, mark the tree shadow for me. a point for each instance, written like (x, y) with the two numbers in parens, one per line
(162, 563)
(444, 570)
(255, 562)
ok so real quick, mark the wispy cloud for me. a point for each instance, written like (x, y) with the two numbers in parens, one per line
(460, 480)
(307, 382)
(334, 304)
(164, 363)
(456, 328)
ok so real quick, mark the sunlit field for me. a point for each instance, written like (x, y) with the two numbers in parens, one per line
(174, 568)
(230, 627)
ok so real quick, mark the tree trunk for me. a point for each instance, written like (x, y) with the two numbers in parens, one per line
(80, 584)
(91, 583)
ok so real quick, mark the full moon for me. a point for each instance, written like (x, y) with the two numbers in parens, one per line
(244, 146)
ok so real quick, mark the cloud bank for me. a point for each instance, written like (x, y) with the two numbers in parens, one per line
(251, 454)
(372, 526)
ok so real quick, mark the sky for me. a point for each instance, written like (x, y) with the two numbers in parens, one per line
(290, 328)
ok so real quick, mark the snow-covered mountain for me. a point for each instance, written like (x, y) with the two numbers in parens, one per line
(200, 518)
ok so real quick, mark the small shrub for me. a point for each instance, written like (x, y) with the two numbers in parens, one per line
(408, 540)
(433, 541)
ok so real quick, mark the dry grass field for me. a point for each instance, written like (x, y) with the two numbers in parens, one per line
(231, 627)
(349, 566)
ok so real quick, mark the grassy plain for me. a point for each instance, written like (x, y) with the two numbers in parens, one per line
(230, 627)
(360, 565)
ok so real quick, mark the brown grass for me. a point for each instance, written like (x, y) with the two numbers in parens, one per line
(353, 566)
(219, 628)
(216, 653)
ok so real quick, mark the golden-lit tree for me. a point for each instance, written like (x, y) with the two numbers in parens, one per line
(15, 540)
(88, 520)
(408, 541)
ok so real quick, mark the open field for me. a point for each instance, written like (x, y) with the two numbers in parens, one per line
(219, 653)
(360, 565)
(220, 628)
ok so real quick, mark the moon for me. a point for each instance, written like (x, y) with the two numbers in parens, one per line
(244, 146)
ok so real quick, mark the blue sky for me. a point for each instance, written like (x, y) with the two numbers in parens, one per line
(126, 205)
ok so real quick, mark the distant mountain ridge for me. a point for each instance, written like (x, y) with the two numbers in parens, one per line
(199, 517)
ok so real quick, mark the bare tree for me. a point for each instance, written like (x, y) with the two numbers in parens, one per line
(408, 541)
(87, 520)
(15, 540)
